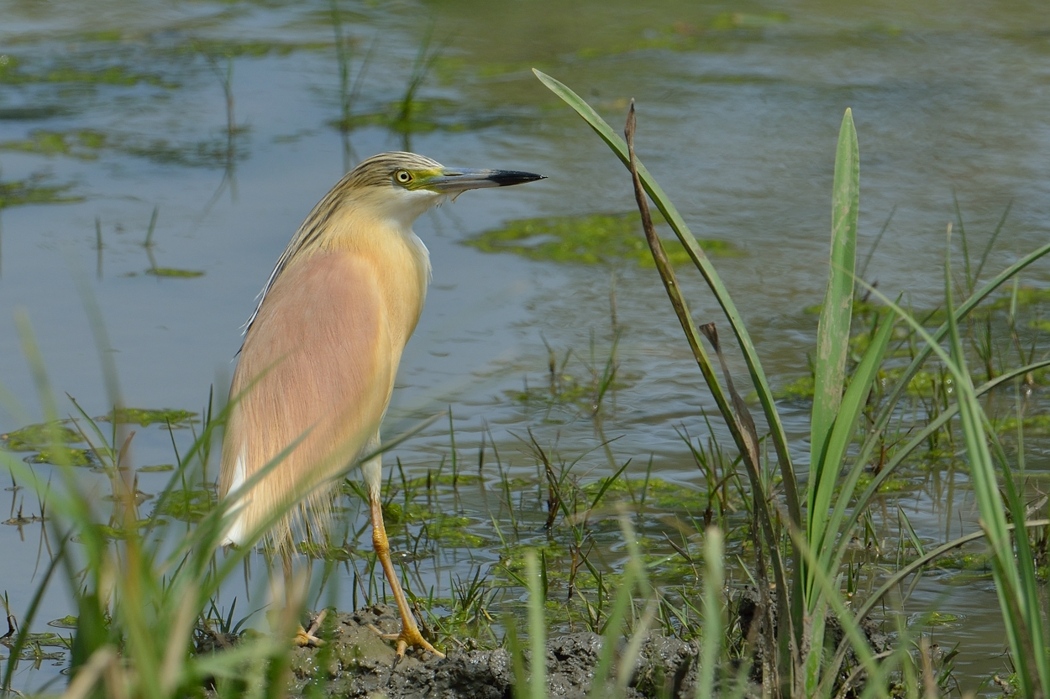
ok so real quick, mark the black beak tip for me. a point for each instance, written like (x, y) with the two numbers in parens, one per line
(505, 178)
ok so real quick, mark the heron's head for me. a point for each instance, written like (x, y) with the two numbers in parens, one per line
(404, 185)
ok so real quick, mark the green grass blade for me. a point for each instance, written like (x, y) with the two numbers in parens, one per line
(845, 426)
(932, 339)
(901, 454)
(1026, 644)
(537, 628)
(833, 329)
(1017, 593)
(1030, 593)
(854, 635)
(790, 610)
(711, 645)
(634, 578)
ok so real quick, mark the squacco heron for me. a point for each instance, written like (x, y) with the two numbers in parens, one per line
(321, 352)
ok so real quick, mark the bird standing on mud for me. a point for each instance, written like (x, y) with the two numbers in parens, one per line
(321, 352)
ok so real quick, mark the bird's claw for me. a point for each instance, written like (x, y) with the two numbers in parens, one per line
(306, 638)
(408, 637)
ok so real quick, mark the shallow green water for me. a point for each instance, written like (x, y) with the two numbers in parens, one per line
(110, 113)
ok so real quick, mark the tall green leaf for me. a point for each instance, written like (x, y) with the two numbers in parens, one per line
(833, 330)
(830, 432)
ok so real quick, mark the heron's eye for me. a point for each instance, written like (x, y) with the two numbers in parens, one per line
(403, 176)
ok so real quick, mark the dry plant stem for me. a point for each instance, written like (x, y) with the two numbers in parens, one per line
(410, 635)
(746, 443)
(929, 681)
(749, 431)
(743, 415)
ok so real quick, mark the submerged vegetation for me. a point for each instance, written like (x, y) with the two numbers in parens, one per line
(34, 191)
(610, 239)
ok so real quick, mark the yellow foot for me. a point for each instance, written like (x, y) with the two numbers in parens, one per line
(305, 638)
(412, 637)
(409, 637)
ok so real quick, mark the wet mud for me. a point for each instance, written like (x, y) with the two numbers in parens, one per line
(357, 662)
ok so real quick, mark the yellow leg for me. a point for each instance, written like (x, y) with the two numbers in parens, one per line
(409, 635)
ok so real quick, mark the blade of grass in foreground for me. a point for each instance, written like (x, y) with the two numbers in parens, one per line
(711, 646)
(634, 579)
(826, 422)
(536, 685)
(133, 592)
(833, 329)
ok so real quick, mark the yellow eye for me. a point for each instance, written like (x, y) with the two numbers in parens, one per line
(402, 176)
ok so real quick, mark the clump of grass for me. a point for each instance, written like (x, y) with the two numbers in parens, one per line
(139, 595)
(802, 528)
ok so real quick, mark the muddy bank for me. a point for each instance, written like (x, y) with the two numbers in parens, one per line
(357, 662)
